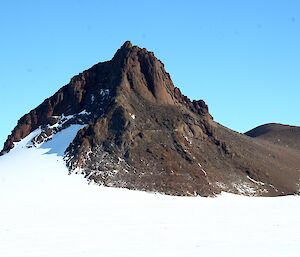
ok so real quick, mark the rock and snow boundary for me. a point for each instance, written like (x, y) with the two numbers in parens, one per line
(45, 212)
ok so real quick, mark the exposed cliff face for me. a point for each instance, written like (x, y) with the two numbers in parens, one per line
(79, 95)
(132, 69)
(142, 133)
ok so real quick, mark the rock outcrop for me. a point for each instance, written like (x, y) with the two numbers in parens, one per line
(142, 133)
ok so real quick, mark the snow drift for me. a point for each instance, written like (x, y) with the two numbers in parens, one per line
(45, 212)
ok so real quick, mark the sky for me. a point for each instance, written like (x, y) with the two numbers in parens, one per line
(241, 57)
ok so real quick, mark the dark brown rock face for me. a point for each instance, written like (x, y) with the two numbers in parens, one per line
(142, 133)
(133, 68)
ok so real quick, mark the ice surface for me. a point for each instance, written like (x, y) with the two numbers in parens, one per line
(104, 92)
(60, 141)
(254, 181)
(84, 112)
(47, 213)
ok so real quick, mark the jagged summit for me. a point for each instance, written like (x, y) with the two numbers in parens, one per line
(131, 71)
(127, 44)
(140, 132)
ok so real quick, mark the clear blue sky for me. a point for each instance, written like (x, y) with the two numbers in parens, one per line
(241, 57)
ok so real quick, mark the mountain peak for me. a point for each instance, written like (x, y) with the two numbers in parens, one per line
(127, 44)
(133, 73)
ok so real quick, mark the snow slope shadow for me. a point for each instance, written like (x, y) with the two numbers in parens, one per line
(61, 140)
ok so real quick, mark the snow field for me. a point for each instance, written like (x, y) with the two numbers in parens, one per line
(47, 213)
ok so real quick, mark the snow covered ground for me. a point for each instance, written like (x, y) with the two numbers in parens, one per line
(47, 213)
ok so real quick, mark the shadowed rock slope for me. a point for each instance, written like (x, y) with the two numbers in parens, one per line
(142, 133)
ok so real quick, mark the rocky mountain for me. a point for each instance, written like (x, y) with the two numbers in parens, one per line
(140, 132)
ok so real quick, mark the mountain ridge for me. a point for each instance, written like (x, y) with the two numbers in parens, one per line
(278, 134)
